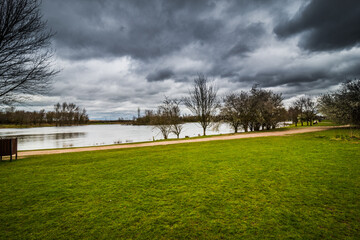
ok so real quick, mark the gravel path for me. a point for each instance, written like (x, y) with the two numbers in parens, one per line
(148, 144)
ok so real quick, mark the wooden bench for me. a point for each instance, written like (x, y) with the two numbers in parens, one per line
(8, 146)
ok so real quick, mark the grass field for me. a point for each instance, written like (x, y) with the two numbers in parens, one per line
(322, 123)
(304, 186)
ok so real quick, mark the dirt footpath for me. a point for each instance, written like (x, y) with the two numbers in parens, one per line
(148, 144)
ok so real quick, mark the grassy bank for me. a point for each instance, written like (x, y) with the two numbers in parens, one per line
(322, 123)
(302, 186)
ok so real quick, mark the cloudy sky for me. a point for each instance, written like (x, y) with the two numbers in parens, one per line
(117, 55)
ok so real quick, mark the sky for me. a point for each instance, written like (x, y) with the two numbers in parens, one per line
(118, 55)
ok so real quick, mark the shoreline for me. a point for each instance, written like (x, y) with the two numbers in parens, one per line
(282, 132)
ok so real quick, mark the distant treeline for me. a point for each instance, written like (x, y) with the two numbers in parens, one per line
(253, 110)
(119, 121)
(148, 118)
(63, 114)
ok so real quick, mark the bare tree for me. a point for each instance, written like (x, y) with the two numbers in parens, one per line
(25, 54)
(310, 111)
(253, 110)
(172, 109)
(229, 111)
(161, 121)
(305, 108)
(203, 101)
(237, 110)
(266, 109)
(258, 98)
(300, 104)
(167, 118)
(294, 113)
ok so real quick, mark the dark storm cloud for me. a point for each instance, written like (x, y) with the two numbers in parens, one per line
(325, 25)
(160, 75)
(305, 77)
(140, 29)
(279, 78)
(248, 39)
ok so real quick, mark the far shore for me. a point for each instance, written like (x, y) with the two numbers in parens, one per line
(92, 122)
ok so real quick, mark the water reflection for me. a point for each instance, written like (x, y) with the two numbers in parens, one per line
(50, 136)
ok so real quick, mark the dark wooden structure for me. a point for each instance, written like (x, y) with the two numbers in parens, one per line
(8, 146)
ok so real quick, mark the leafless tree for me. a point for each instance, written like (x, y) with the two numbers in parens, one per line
(167, 118)
(253, 110)
(266, 109)
(203, 101)
(294, 113)
(172, 110)
(237, 110)
(160, 120)
(229, 111)
(25, 53)
(310, 111)
(300, 104)
(306, 110)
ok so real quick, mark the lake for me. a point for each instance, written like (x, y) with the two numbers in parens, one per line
(95, 135)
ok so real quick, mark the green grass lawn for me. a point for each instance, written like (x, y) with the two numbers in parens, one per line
(304, 186)
(319, 124)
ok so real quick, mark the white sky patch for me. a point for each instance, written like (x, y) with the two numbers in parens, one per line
(288, 102)
(271, 57)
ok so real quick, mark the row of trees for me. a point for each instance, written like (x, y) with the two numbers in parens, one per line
(255, 110)
(303, 110)
(343, 106)
(252, 111)
(63, 114)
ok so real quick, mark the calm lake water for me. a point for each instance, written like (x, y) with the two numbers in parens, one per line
(95, 135)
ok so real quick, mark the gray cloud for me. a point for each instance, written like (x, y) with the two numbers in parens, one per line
(140, 29)
(325, 25)
(160, 75)
(247, 39)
